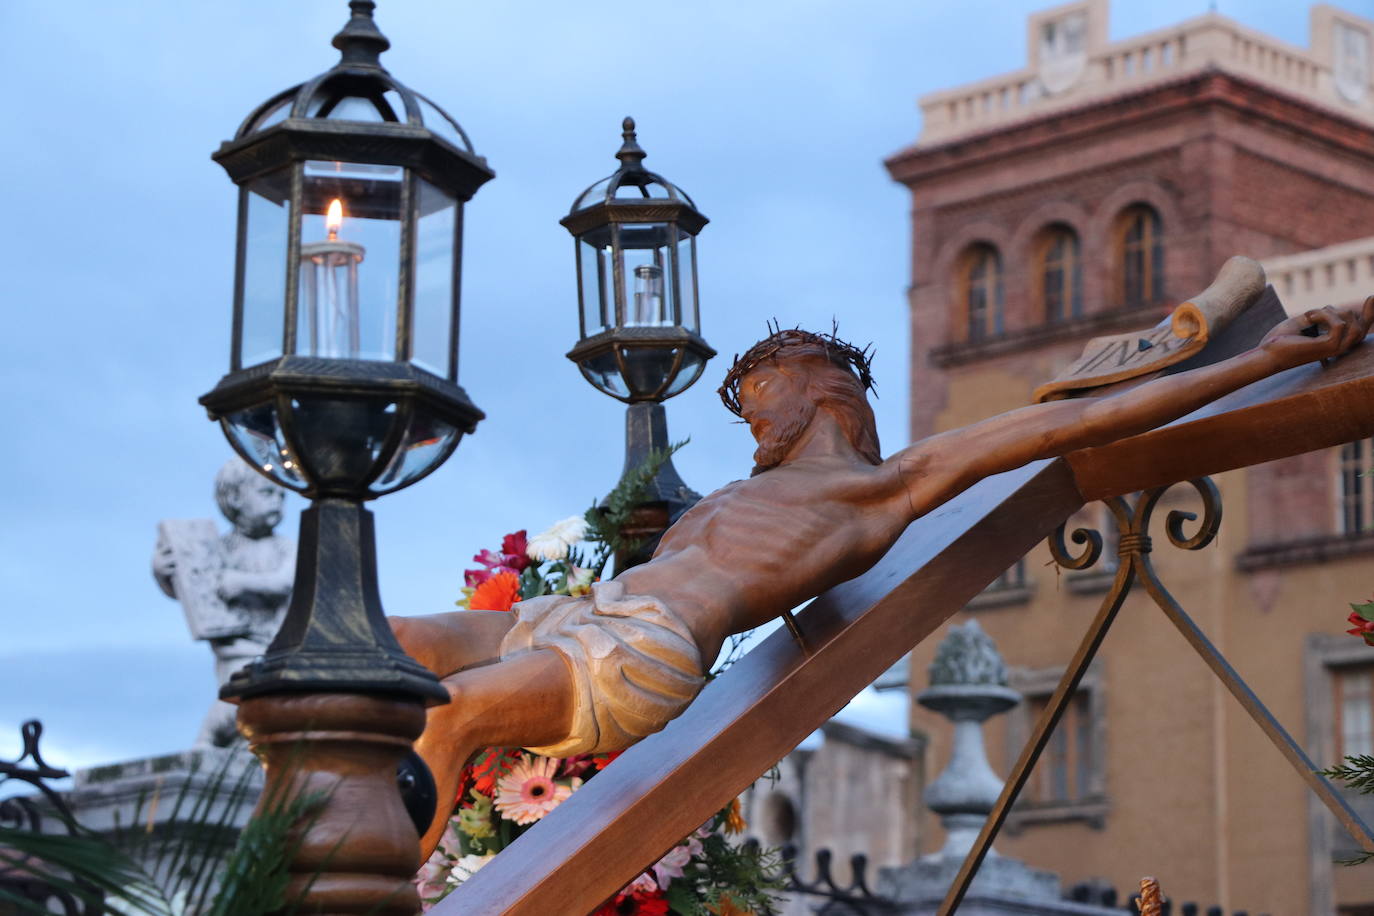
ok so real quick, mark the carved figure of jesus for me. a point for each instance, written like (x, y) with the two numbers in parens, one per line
(564, 675)
(234, 589)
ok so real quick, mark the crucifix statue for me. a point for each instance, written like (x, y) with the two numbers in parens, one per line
(564, 675)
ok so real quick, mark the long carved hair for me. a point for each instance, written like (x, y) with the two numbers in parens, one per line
(840, 392)
(829, 388)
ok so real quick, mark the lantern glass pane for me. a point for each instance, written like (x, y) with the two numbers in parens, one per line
(427, 442)
(598, 312)
(648, 274)
(604, 372)
(274, 115)
(594, 195)
(431, 344)
(690, 312)
(342, 440)
(646, 368)
(687, 373)
(258, 437)
(350, 260)
(354, 108)
(266, 220)
(396, 104)
(441, 124)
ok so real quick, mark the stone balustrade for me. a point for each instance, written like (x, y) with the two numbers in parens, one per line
(1071, 62)
(1340, 274)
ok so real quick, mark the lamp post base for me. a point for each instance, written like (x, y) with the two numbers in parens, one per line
(335, 636)
(666, 498)
(359, 848)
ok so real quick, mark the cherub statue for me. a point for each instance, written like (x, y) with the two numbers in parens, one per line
(563, 675)
(233, 589)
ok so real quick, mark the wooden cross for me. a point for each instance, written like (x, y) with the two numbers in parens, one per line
(746, 720)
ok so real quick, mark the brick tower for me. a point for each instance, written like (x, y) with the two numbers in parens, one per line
(1090, 193)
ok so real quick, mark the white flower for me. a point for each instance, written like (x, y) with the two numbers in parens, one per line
(467, 866)
(553, 544)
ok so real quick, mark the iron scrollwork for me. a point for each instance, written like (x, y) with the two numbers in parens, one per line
(853, 899)
(22, 812)
(1133, 517)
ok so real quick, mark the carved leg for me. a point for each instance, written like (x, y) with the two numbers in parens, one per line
(522, 702)
(445, 643)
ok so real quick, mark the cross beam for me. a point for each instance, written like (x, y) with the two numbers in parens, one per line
(743, 722)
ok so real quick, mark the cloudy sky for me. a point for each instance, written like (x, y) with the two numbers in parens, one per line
(117, 245)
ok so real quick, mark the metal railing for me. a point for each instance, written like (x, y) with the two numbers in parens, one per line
(1133, 517)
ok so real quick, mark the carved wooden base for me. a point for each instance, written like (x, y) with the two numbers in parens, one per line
(360, 849)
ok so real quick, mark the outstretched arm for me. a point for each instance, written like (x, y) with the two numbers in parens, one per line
(939, 467)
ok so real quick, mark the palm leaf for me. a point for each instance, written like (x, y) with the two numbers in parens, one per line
(184, 863)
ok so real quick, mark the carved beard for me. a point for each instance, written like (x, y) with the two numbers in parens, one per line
(777, 431)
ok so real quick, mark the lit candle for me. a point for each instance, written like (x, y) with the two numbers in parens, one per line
(329, 286)
(334, 218)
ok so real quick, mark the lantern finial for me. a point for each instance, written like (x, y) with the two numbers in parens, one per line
(361, 42)
(631, 154)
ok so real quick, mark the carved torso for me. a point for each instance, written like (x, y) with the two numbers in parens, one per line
(757, 547)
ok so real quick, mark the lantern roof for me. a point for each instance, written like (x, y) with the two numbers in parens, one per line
(632, 181)
(357, 93)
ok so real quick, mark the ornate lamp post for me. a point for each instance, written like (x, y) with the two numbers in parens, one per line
(634, 236)
(343, 386)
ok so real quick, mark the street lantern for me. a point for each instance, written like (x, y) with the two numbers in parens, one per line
(343, 369)
(634, 239)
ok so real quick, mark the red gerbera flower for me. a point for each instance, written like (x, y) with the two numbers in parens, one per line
(498, 593)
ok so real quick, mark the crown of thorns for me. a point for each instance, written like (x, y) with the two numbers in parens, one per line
(780, 343)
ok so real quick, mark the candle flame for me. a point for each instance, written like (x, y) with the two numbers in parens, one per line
(334, 218)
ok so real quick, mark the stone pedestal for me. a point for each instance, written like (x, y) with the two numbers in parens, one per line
(104, 798)
(968, 685)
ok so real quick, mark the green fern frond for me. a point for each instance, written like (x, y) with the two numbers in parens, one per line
(605, 521)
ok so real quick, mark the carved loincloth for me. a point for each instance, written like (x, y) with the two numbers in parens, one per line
(634, 663)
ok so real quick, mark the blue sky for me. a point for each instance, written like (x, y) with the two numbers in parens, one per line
(117, 244)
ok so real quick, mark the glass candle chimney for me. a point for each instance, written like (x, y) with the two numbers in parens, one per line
(648, 305)
(329, 285)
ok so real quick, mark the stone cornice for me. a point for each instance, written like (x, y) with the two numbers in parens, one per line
(1189, 95)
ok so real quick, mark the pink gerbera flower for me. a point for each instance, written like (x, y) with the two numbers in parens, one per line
(528, 792)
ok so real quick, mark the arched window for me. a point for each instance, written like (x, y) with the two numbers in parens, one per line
(982, 277)
(1140, 256)
(1061, 274)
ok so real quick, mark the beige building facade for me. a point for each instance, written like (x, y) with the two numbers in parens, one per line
(1090, 193)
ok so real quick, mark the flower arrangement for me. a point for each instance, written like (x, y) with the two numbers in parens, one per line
(1362, 616)
(503, 792)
